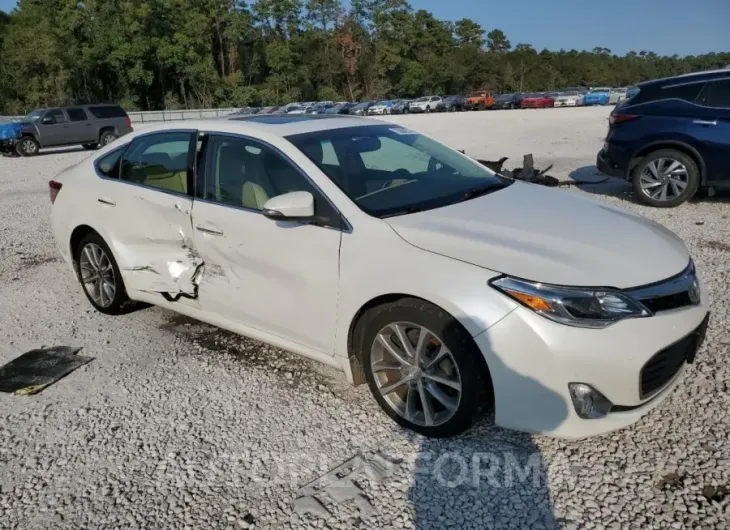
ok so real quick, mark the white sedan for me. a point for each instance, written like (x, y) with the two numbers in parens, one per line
(569, 99)
(406, 264)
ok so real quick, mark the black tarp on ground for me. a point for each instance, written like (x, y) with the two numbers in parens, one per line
(35, 370)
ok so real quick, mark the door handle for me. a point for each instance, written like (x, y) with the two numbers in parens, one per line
(211, 231)
(108, 202)
(705, 122)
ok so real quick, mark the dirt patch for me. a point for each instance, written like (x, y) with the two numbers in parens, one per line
(716, 245)
(28, 262)
(295, 371)
(670, 481)
(715, 493)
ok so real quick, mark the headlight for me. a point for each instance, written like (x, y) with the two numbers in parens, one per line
(587, 308)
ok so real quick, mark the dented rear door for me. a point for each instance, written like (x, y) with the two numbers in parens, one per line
(148, 211)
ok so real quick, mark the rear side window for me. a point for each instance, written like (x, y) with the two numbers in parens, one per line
(107, 111)
(158, 161)
(108, 165)
(717, 94)
(76, 114)
(684, 92)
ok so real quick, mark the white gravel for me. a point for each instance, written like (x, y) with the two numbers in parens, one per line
(179, 425)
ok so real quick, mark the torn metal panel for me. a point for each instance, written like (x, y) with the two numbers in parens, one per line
(156, 253)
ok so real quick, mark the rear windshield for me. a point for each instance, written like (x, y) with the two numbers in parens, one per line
(107, 111)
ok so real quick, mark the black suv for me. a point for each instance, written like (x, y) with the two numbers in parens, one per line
(86, 125)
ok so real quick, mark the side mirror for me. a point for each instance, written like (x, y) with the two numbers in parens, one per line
(293, 206)
(47, 120)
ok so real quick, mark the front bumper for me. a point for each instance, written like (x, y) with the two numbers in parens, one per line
(569, 103)
(607, 167)
(532, 360)
(416, 110)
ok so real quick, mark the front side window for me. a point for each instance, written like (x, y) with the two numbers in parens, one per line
(244, 173)
(159, 161)
(55, 115)
(76, 114)
(684, 92)
(390, 170)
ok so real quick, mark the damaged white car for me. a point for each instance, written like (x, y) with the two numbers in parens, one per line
(401, 261)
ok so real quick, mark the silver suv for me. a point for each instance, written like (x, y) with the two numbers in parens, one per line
(86, 125)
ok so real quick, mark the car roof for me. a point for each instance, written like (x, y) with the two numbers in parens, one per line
(277, 125)
(687, 78)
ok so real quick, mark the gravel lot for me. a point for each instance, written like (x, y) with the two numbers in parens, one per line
(178, 425)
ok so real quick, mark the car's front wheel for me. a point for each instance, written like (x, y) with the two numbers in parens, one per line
(423, 368)
(99, 275)
(665, 178)
(28, 146)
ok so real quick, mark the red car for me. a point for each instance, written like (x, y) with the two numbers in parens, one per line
(537, 100)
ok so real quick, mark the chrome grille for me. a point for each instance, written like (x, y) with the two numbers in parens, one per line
(674, 293)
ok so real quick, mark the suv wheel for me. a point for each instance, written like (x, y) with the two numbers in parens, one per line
(107, 137)
(665, 178)
(423, 368)
(28, 146)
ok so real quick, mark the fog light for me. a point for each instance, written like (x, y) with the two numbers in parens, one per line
(588, 402)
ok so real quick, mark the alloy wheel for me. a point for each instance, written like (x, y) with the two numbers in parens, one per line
(28, 146)
(97, 274)
(416, 374)
(664, 179)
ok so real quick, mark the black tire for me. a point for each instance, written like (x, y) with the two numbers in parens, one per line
(90, 146)
(120, 299)
(106, 138)
(28, 146)
(512, 106)
(693, 178)
(428, 108)
(476, 390)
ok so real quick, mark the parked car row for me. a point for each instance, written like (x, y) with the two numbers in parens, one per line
(569, 97)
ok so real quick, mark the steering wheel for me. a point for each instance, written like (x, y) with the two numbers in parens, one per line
(434, 165)
(398, 174)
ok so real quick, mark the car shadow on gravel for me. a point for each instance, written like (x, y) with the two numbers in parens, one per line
(621, 189)
(490, 477)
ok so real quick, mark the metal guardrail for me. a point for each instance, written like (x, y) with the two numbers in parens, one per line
(152, 116)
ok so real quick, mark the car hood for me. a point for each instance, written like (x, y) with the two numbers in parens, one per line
(552, 236)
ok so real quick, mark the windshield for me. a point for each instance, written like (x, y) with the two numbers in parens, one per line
(34, 116)
(599, 91)
(389, 170)
(505, 96)
(385, 102)
(420, 100)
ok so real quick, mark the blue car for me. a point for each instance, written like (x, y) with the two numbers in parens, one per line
(597, 96)
(671, 138)
(9, 136)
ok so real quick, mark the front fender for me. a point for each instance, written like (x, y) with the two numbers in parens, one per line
(378, 263)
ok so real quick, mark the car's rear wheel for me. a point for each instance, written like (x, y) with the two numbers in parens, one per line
(89, 146)
(99, 275)
(107, 137)
(423, 368)
(28, 146)
(665, 178)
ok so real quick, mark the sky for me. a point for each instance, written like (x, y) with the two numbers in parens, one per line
(666, 27)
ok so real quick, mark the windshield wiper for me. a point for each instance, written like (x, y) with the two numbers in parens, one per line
(404, 211)
(482, 190)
